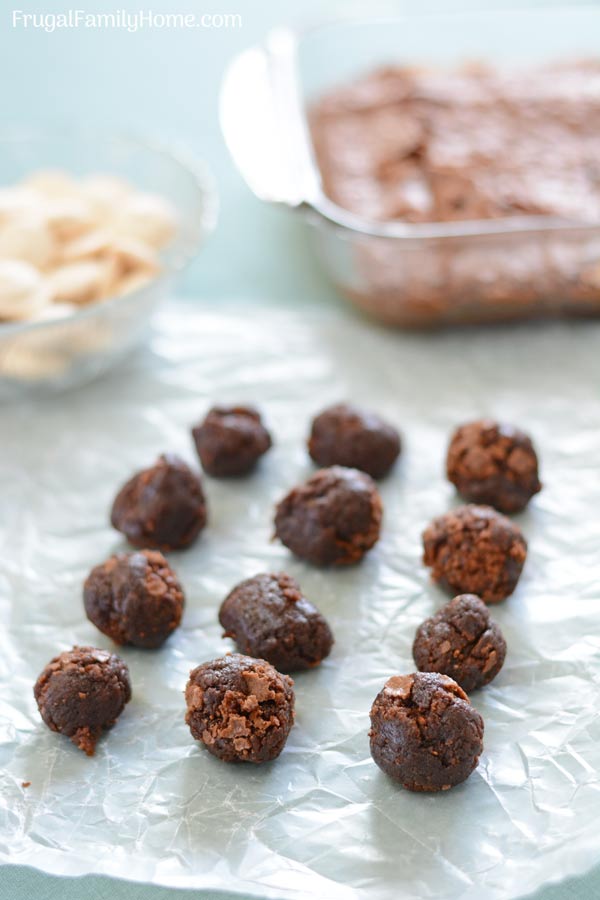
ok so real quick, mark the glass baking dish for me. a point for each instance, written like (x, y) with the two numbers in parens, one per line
(401, 273)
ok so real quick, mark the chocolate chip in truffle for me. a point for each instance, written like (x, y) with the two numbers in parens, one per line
(231, 440)
(494, 464)
(424, 732)
(134, 598)
(241, 709)
(345, 435)
(81, 693)
(268, 617)
(162, 507)
(461, 641)
(331, 519)
(475, 550)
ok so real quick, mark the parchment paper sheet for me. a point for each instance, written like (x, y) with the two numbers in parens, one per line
(322, 820)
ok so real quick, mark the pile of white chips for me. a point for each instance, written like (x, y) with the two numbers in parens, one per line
(66, 243)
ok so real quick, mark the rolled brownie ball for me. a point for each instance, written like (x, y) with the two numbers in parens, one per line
(331, 519)
(162, 507)
(344, 435)
(494, 464)
(82, 693)
(424, 732)
(268, 617)
(134, 598)
(462, 642)
(231, 440)
(475, 550)
(241, 709)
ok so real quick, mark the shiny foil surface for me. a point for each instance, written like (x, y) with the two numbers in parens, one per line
(322, 820)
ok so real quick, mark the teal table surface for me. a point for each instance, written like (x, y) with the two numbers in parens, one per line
(19, 883)
(165, 84)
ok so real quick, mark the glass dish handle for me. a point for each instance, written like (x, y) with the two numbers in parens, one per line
(263, 122)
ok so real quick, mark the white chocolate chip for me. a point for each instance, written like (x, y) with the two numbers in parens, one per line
(50, 183)
(68, 218)
(81, 282)
(105, 195)
(32, 363)
(22, 290)
(89, 246)
(133, 255)
(17, 203)
(149, 218)
(90, 336)
(130, 254)
(103, 242)
(55, 311)
(27, 238)
(131, 283)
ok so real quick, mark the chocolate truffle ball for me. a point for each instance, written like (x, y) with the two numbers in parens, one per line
(462, 642)
(268, 617)
(231, 440)
(424, 732)
(242, 709)
(494, 464)
(475, 550)
(344, 435)
(331, 519)
(162, 507)
(82, 693)
(134, 598)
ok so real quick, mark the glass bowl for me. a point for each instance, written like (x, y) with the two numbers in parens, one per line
(62, 353)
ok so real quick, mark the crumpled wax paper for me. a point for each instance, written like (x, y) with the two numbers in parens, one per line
(322, 820)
